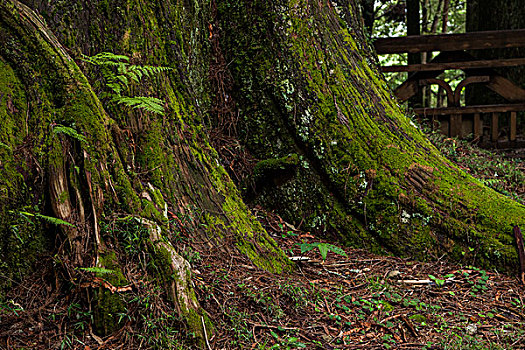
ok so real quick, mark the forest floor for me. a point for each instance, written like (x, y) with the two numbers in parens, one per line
(351, 300)
(359, 301)
(364, 301)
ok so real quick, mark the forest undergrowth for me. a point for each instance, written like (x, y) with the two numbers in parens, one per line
(350, 300)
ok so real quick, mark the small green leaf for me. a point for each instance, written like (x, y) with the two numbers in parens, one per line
(323, 249)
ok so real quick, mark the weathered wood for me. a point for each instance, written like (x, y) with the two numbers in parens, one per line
(456, 125)
(478, 126)
(501, 108)
(506, 88)
(452, 42)
(513, 126)
(521, 252)
(444, 85)
(406, 90)
(468, 81)
(510, 62)
(494, 127)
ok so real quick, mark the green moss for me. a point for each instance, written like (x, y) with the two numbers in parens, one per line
(108, 304)
(366, 153)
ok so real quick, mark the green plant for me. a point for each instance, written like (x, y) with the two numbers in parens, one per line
(118, 73)
(286, 343)
(27, 215)
(440, 282)
(69, 131)
(324, 248)
(100, 270)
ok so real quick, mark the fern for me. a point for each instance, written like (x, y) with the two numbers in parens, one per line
(3, 145)
(95, 269)
(50, 219)
(61, 129)
(118, 73)
(149, 104)
(105, 59)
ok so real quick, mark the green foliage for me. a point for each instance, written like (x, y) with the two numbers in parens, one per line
(324, 248)
(69, 131)
(494, 169)
(149, 104)
(97, 270)
(118, 74)
(438, 281)
(50, 219)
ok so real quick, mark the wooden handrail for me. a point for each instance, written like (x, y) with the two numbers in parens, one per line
(471, 109)
(452, 42)
(427, 67)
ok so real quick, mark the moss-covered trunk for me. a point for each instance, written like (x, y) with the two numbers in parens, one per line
(111, 172)
(307, 84)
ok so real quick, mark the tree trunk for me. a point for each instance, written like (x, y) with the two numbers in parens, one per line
(307, 86)
(64, 157)
(337, 154)
(496, 15)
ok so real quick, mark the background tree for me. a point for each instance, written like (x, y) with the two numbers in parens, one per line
(496, 15)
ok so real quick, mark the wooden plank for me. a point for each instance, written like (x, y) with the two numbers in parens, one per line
(451, 42)
(406, 90)
(510, 62)
(506, 88)
(471, 109)
(456, 125)
(513, 126)
(494, 127)
(521, 252)
(478, 126)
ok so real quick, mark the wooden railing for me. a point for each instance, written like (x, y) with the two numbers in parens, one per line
(462, 120)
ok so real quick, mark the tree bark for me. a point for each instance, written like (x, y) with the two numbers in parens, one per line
(364, 172)
(112, 163)
(485, 15)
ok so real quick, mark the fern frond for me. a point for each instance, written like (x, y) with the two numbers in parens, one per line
(95, 269)
(50, 219)
(3, 145)
(54, 221)
(149, 104)
(105, 59)
(61, 129)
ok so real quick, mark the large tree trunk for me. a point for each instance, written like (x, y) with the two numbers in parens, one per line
(306, 85)
(64, 157)
(337, 154)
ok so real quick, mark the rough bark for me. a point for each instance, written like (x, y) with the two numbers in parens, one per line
(121, 162)
(496, 15)
(308, 86)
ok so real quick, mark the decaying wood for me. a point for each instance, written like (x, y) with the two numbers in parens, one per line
(521, 252)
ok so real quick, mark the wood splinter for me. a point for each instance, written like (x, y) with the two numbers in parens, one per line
(521, 252)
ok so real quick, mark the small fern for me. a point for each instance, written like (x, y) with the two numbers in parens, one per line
(50, 219)
(118, 73)
(149, 104)
(3, 145)
(324, 248)
(100, 270)
(61, 129)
